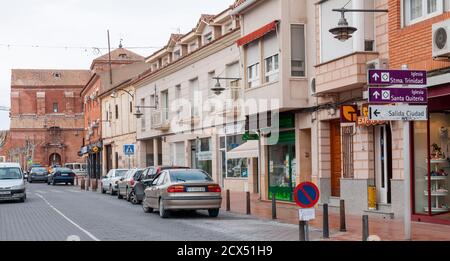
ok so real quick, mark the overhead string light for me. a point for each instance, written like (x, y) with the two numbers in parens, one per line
(84, 48)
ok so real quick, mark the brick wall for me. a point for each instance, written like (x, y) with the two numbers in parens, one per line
(381, 29)
(412, 45)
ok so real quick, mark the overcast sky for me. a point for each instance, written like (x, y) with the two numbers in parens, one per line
(140, 23)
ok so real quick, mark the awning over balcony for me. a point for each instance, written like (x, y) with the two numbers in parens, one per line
(246, 150)
(257, 34)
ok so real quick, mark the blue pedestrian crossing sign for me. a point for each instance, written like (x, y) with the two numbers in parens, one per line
(128, 149)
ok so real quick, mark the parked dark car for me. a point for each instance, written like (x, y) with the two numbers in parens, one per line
(38, 174)
(61, 175)
(33, 166)
(137, 193)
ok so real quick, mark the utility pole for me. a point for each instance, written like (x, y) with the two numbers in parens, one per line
(407, 175)
(109, 59)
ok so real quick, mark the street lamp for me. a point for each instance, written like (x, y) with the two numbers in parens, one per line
(343, 31)
(139, 113)
(218, 89)
(114, 94)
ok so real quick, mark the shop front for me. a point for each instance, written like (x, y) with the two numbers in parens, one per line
(93, 155)
(239, 159)
(431, 160)
(203, 155)
(282, 167)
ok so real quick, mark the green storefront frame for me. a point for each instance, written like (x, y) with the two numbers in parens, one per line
(282, 169)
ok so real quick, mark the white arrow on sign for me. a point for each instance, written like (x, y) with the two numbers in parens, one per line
(376, 76)
(376, 95)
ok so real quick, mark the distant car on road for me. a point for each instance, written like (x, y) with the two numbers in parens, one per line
(127, 182)
(78, 168)
(183, 190)
(38, 174)
(12, 184)
(33, 166)
(61, 175)
(138, 192)
(109, 182)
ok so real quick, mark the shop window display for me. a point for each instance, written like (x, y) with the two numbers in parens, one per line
(282, 169)
(432, 164)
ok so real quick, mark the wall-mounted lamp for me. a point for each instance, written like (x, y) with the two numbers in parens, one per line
(343, 31)
(218, 89)
(114, 94)
(139, 113)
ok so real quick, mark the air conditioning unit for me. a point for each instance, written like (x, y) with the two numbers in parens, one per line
(440, 43)
(378, 64)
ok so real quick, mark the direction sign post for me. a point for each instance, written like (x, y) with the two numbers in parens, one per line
(393, 95)
(404, 112)
(398, 113)
(394, 77)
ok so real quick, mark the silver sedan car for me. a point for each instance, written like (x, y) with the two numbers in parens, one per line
(183, 189)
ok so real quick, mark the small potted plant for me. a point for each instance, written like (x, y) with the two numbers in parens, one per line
(437, 151)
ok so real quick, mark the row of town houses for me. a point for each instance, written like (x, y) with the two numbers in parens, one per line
(253, 96)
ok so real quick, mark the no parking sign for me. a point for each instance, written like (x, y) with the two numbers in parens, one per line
(306, 195)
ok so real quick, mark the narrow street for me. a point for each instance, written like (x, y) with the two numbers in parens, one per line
(58, 213)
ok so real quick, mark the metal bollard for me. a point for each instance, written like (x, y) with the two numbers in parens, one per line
(365, 230)
(228, 200)
(274, 206)
(326, 228)
(342, 215)
(249, 210)
(302, 230)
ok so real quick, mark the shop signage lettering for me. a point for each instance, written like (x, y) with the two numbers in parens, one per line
(204, 155)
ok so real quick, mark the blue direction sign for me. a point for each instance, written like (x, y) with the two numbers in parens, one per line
(398, 95)
(306, 195)
(128, 149)
(393, 77)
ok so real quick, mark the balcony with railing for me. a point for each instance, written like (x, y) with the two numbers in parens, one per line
(160, 119)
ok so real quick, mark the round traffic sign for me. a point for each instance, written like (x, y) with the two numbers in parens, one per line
(306, 195)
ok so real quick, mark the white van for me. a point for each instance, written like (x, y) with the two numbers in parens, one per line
(12, 183)
(80, 169)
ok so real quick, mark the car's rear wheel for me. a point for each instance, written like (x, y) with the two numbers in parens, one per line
(103, 190)
(162, 212)
(213, 212)
(133, 198)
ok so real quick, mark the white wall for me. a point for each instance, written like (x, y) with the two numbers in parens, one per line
(182, 76)
(332, 48)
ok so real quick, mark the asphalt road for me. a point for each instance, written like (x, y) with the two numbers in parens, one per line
(60, 213)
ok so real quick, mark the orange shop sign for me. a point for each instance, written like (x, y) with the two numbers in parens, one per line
(349, 113)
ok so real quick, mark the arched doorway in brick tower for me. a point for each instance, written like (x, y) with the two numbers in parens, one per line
(55, 159)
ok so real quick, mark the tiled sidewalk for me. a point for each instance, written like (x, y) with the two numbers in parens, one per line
(386, 229)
